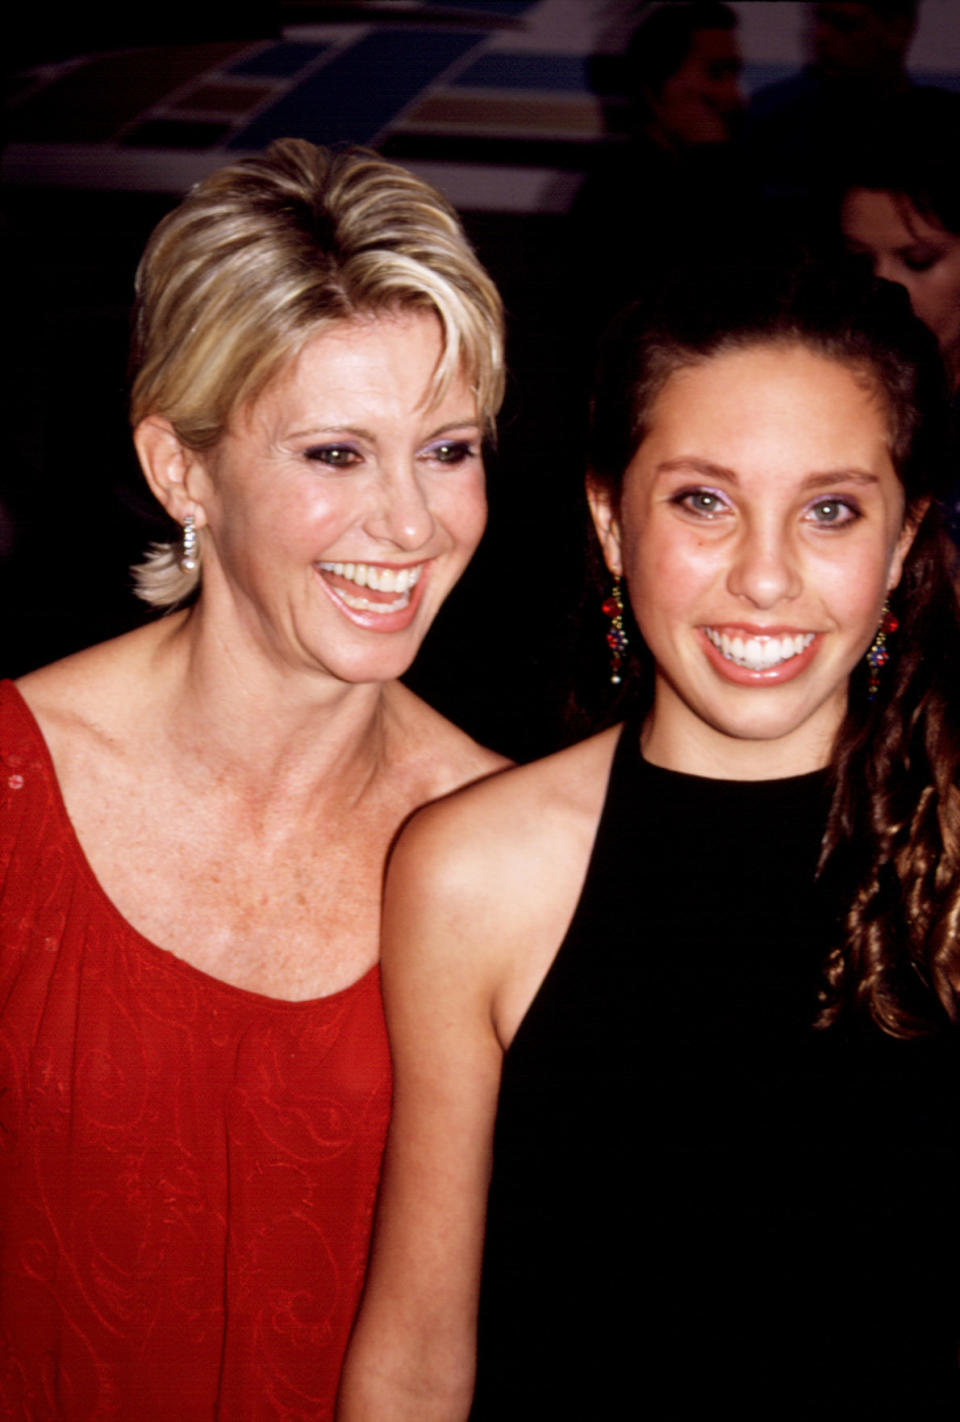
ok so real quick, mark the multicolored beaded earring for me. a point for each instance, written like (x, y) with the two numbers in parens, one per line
(877, 653)
(616, 636)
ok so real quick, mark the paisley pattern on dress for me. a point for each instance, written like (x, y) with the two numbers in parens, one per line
(187, 1170)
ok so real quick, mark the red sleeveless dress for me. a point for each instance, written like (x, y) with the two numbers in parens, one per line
(187, 1169)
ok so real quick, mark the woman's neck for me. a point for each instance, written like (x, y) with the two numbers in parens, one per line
(228, 710)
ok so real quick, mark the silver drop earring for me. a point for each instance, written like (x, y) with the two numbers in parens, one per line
(188, 551)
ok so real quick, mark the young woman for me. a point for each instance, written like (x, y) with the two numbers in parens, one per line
(681, 995)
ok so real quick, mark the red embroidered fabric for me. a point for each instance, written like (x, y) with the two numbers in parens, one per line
(187, 1169)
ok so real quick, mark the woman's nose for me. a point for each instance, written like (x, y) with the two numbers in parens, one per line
(401, 514)
(764, 571)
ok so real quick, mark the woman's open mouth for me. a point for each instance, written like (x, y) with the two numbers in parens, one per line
(386, 590)
(758, 653)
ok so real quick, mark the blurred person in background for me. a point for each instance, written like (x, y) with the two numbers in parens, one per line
(900, 210)
(684, 66)
(671, 192)
(797, 126)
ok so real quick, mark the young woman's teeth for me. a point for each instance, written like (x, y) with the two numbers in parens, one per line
(367, 575)
(758, 653)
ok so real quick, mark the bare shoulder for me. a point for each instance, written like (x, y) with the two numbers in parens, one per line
(438, 752)
(85, 697)
(511, 827)
(488, 877)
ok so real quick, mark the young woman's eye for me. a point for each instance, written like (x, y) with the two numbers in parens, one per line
(337, 456)
(452, 451)
(833, 513)
(701, 501)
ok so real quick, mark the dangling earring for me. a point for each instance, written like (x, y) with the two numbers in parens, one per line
(188, 549)
(877, 654)
(616, 637)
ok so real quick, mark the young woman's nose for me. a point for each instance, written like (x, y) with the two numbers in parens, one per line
(764, 571)
(401, 513)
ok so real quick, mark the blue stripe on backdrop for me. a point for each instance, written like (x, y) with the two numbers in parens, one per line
(353, 97)
(563, 73)
(280, 61)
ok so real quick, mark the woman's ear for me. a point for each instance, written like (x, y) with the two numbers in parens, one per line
(175, 473)
(607, 523)
(908, 533)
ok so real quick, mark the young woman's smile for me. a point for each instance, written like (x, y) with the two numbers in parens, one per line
(760, 528)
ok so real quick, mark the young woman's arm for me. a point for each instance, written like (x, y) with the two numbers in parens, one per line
(480, 892)
(412, 1353)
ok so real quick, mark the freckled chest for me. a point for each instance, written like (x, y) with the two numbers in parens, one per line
(277, 901)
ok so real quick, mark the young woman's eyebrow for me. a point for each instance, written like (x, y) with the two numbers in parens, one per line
(839, 476)
(706, 467)
(819, 479)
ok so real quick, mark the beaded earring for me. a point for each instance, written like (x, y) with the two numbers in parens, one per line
(877, 653)
(616, 636)
(188, 550)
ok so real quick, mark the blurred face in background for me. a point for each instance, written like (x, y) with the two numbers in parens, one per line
(861, 42)
(905, 247)
(700, 101)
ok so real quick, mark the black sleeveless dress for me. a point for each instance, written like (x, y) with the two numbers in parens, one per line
(698, 1201)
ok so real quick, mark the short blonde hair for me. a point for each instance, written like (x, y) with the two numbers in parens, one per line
(269, 252)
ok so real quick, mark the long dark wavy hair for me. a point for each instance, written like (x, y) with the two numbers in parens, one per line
(891, 851)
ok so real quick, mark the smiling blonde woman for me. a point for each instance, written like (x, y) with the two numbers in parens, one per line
(194, 1078)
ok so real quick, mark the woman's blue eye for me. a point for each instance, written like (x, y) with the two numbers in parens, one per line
(338, 456)
(833, 512)
(701, 501)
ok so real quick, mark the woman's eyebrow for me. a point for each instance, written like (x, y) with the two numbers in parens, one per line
(817, 480)
(834, 476)
(697, 466)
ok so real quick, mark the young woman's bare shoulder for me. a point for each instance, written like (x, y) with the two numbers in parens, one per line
(527, 805)
(503, 843)
(482, 885)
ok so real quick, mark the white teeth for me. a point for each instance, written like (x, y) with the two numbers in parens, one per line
(368, 575)
(759, 653)
(386, 581)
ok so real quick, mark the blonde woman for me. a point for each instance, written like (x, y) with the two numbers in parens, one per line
(194, 1077)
